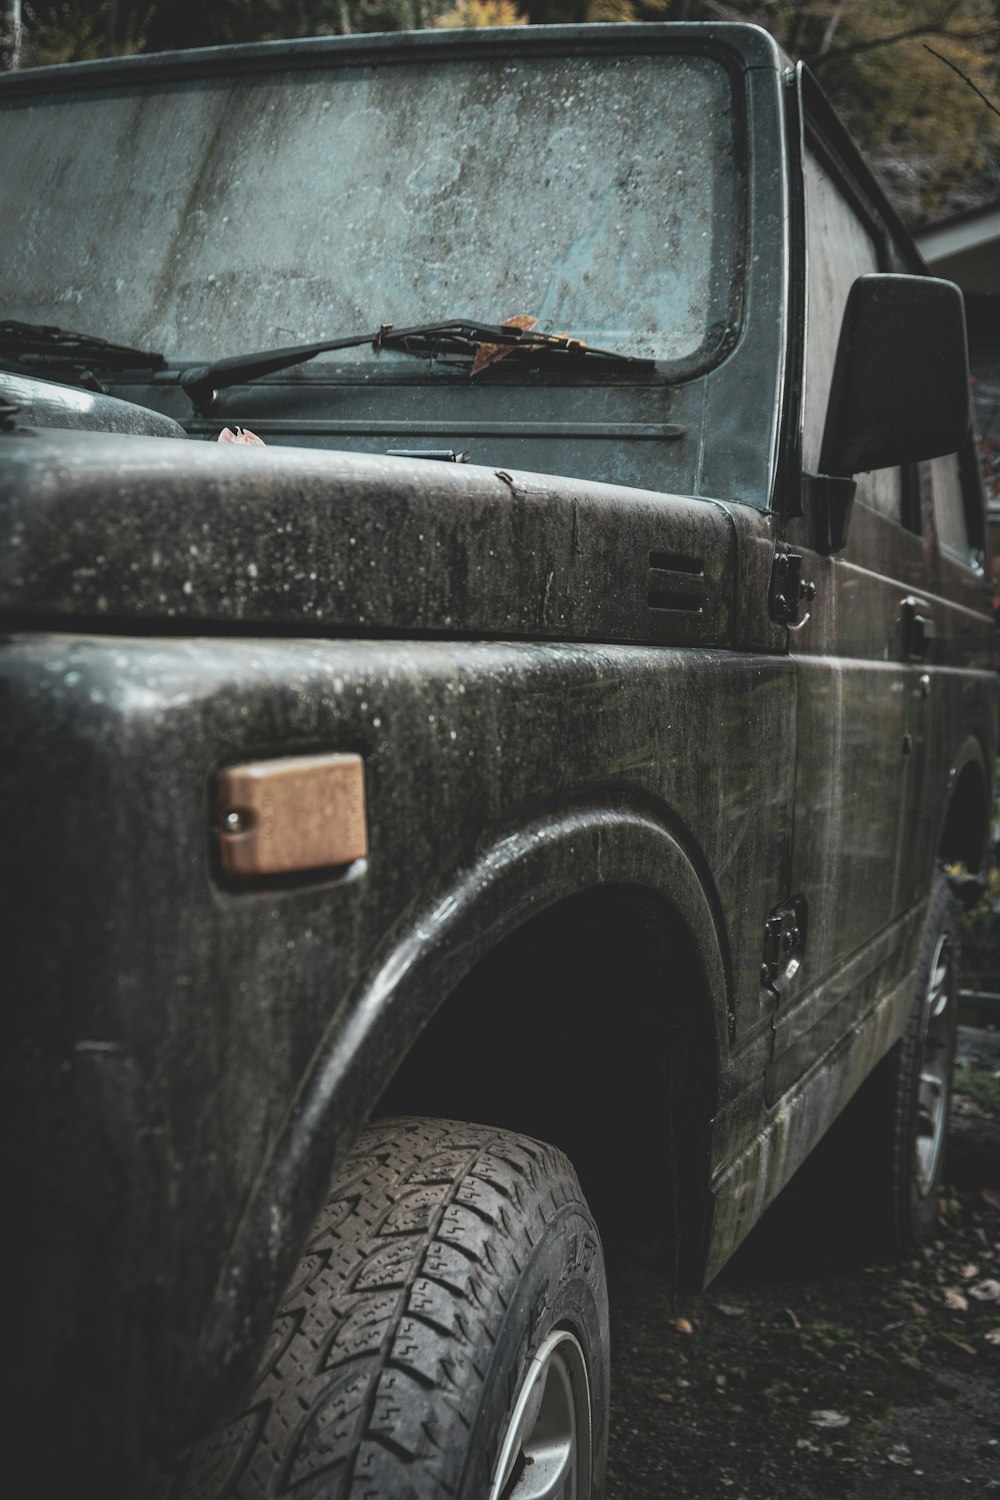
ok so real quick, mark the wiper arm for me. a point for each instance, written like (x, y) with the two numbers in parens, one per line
(424, 340)
(41, 346)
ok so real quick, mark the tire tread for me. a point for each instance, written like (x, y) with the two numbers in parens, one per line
(426, 1223)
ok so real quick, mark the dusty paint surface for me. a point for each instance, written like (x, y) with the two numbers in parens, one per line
(568, 666)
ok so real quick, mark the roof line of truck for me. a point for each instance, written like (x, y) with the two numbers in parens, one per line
(756, 47)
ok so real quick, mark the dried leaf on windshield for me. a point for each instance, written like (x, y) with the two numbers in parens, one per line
(488, 354)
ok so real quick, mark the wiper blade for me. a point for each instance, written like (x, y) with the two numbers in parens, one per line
(461, 336)
(43, 343)
(57, 354)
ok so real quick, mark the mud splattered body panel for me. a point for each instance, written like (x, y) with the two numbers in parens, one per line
(206, 1017)
(602, 675)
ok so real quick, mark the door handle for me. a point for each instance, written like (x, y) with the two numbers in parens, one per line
(919, 630)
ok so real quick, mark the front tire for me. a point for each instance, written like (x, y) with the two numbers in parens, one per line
(447, 1335)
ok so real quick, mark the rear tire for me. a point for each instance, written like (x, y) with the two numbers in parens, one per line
(874, 1179)
(917, 1078)
(446, 1335)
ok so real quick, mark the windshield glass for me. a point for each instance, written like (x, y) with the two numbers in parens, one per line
(600, 194)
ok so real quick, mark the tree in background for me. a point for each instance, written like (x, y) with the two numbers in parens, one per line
(894, 69)
(903, 73)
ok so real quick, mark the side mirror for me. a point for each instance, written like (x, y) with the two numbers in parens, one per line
(900, 389)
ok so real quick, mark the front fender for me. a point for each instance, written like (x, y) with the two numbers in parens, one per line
(512, 881)
(194, 1056)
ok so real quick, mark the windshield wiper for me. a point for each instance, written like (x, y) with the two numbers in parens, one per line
(43, 349)
(460, 336)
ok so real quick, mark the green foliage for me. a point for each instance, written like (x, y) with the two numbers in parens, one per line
(907, 107)
(543, 13)
(922, 124)
(981, 936)
(982, 1088)
(483, 13)
(56, 31)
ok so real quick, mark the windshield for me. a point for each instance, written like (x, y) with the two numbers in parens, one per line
(600, 194)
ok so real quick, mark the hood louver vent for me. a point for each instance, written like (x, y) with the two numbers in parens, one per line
(676, 583)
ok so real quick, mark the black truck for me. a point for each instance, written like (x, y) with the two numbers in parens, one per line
(505, 810)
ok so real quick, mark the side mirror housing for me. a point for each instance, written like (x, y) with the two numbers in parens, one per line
(900, 389)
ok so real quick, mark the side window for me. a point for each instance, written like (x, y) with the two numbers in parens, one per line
(950, 518)
(839, 249)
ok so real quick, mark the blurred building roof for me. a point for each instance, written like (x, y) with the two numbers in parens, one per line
(965, 248)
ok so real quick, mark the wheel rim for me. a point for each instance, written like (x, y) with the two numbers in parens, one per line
(545, 1451)
(934, 1089)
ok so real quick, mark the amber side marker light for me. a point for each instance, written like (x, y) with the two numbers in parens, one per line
(302, 812)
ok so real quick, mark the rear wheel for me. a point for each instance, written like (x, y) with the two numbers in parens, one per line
(871, 1186)
(878, 1172)
(918, 1077)
(447, 1335)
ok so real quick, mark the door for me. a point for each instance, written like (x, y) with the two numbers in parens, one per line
(856, 742)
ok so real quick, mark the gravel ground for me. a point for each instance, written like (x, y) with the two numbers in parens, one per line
(798, 1376)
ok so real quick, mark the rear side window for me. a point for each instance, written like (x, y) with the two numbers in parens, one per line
(951, 521)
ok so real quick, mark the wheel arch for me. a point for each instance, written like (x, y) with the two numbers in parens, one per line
(594, 1022)
(589, 856)
(965, 825)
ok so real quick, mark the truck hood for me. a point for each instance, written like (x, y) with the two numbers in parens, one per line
(101, 531)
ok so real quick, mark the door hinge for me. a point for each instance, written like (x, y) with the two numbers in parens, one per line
(784, 942)
(788, 588)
